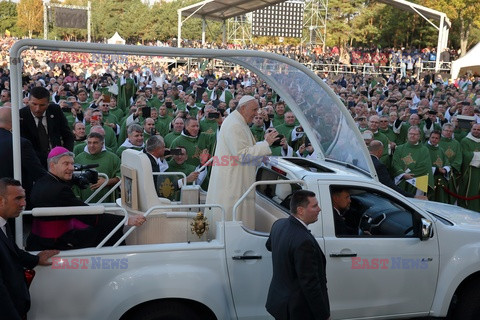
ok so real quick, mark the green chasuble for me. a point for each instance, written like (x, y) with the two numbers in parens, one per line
(122, 148)
(170, 137)
(286, 131)
(162, 128)
(77, 142)
(118, 113)
(85, 104)
(155, 102)
(459, 134)
(110, 118)
(392, 136)
(277, 151)
(402, 135)
(258, 133)
(180, 104)
(416, 158)
(109, 164)
(125, 93)
(192, 111)
(278, 120)
(70, 119)
(110, 136)
(123, 127)
(162, 124)
(453, 152)
(436, 127)
(209, 126)
(470, 185)
(226, 98)
(439, 160)
(194, 146)
(385, 156)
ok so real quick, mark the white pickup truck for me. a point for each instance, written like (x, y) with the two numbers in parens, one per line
(419, 259)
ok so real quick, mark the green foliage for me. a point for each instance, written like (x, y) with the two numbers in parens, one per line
(30, 16)
(8, 16)
(350, 22)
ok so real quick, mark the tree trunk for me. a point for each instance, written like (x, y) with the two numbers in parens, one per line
(30, 34)
(464, 33)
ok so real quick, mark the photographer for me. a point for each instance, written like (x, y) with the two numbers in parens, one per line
(210, 122)
(148, 128)
(68, 232)
(109, 164)
(110, 135)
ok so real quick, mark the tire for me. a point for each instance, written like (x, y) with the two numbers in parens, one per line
(166, 310)
(468, 304)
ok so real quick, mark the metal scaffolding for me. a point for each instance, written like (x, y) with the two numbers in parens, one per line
(239, 30)
(315, 21)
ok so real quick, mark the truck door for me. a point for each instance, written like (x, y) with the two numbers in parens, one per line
(383, 270)
(249, 266)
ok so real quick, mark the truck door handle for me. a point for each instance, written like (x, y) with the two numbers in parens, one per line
(342, 255)
(247, 257)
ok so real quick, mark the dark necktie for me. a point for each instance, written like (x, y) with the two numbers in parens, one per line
(43, 136)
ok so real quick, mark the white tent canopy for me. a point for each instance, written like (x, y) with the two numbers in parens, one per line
(116, 39)
(468, 63)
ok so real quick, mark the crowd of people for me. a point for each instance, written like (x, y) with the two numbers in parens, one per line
(88, 108)
(372, 59)
(102, 107)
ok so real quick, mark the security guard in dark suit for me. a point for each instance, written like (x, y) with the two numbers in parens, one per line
(298, 290)
(44, 124)
(15, 298)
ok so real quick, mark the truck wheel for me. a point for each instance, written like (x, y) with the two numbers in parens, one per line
(468, 305)
(166, 310)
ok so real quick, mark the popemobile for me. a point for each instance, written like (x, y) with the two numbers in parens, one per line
(410, 258)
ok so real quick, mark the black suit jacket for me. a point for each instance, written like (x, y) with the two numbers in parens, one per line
(158, 180)
(299, 286)
(15, 298)
(384, 177)
(59, 133)
(32, 170)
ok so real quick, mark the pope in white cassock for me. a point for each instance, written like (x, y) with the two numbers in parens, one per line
(235, 161)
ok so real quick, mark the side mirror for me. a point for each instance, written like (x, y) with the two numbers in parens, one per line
(427, 230)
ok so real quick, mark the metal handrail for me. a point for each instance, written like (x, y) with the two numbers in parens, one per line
(19, 240)
(126, 234)
(259, 183)
(103, 175)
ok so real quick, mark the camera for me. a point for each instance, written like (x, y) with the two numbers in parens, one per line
(271, 116)
(213, 115)
(86, 176)
(146, 112)
(277, 142)
(168, 104)
(173, 152)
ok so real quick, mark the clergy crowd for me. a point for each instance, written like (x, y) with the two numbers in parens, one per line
(428, 126)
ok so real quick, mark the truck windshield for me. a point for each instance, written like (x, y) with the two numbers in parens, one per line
(324, 118)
